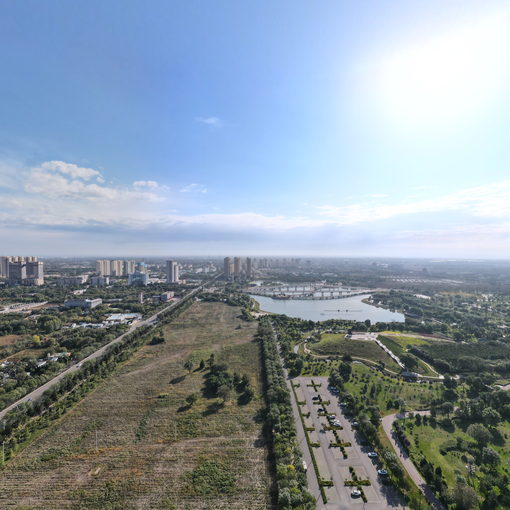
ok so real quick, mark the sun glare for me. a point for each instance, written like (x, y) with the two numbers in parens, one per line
(449, 78)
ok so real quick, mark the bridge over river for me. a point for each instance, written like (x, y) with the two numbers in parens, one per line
(307, 291)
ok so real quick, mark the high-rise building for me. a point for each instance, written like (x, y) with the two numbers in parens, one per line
(116, 267)
(22, 270)
(172, 271)
(249, 268)
(17, 272)
(226, 267)
(237, 267)
(35, 272)
(129, 267)
(4, 266)
(103, 267)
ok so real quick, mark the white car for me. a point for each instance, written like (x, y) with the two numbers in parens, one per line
(355, 493)
(373, 455)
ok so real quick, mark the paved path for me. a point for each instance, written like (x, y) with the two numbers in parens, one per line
(407, 463)
(37, 393)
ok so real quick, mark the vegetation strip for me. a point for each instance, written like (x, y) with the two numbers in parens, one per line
(290, 473)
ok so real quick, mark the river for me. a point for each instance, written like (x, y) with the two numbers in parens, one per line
(351, 308)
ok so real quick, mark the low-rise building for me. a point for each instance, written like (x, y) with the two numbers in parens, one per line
(99, 281)
(83, 303)
(122, 318)
(72, 281)
(166, 296)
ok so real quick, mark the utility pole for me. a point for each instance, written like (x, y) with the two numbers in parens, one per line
(96, 441)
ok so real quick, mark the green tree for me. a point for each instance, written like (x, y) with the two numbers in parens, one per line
(479, 433)
(188, 365)
(490, 457)
(464, 497)
(491, 417)
(345, 371)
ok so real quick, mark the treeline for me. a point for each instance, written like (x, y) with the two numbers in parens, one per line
(280, 429)
(20, 424)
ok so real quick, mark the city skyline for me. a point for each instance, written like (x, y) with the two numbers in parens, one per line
(213, 131)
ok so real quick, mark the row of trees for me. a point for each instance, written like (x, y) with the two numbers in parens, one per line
(280, 429)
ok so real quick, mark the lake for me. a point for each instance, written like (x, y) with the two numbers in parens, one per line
(351, 308)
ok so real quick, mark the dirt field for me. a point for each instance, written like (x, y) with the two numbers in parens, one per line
(9, 339)
(152, 453)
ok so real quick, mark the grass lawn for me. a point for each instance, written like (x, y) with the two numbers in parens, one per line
(152, 451)
(372, 386)
(338, 345)
(398, 345)
(426, 441)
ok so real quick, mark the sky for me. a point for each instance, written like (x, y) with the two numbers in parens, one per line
(331, 128)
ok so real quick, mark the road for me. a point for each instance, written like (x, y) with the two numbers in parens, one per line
(407, 463)
(150, 321)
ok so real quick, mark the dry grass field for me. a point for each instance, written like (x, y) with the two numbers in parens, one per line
(9, 339)
(152, 452)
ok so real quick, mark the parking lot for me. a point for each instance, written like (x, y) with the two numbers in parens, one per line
(330, 460)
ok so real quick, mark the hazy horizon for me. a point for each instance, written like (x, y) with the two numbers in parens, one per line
(339, 129)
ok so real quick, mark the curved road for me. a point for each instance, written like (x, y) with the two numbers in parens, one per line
(37, 393)
(407, 463)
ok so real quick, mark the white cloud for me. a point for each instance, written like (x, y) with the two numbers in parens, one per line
(67, 202)
(210, 121)
(489, 201)
(146, 184)
(75, 171)
(194, 188)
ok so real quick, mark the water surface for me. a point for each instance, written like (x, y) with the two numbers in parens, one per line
(351, 308)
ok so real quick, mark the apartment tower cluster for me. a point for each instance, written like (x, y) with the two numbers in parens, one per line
(237, 267)
(115, 267)
(22, 270)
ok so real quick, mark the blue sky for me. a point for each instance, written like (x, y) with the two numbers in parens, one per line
(293, 127)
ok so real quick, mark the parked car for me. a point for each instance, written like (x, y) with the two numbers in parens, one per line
(382, 472)
(355, 493)
(373, 455)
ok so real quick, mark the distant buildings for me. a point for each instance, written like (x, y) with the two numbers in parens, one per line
(115, 267)
(138, 278)
(166, 296)
(72, 281)
(83, 303)
(227, 267)
(99, 281)
(22, 270)
(172, 271)
(238, 267)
